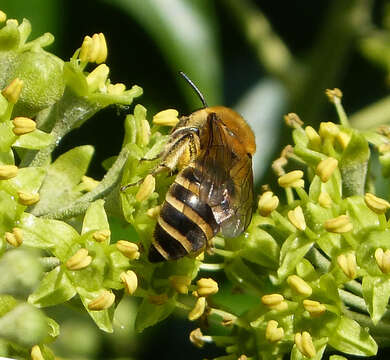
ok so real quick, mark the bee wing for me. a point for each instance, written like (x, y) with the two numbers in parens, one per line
(226, 183)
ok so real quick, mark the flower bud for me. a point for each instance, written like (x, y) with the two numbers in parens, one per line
(23, 125)
(376, 204)
(36, 353)
(206, 287)
(333, 94)
(196, 338)
(13, 90)
(94, 49)
(293, 120)
(146, 189)
(166, 117)
(79, 260)
(383, 260)
(347, 263)
(274, 302)
(102, 302)
(27, 199)
(343, 139)
(198, 309)
(325, 200)
(305, 344)
(315, 308)
(116, 89)
(89, 183)
(130, 281)
(129, 249)
(326, 168)
(273, 333)
(268, 202)
(299, 285)
(159, 299)
(297, 218)
(8, 172)
(314, 138)
(180, 283)
(338, 225)
(328, 130)
(97, 78)
(291, 179)
(101, 235)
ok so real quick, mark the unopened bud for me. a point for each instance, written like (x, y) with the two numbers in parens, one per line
(13, 90)
(305, 344)
(23, 125)
(146, 189)
(102, 302)
(293, 120)
(198, 309)
(166, 117)
(206, 287)
(299, 285)
(347, 263)
(297, 218)
(27, 199)
(8, 172)
(101, 235)
(180, 283)
(274, 302)
(97, 78)
(383, 260)
(338, 225)
(315, 308)
(130, 281)
(292, 179)
(325, 200)
(376, 204)
(273, 333)
(268, 202)
(326, 168)
(196, 337)
(36, 353)
(129, 249)
(94, 49)
(79, 260)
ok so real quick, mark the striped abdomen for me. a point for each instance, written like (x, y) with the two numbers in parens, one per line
(185, 224)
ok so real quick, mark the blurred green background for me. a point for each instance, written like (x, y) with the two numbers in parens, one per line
(263, 58)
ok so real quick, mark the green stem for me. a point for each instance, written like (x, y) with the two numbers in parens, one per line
(381, 329)
(352, 300)
(109, 182)
(212, 267)
(224, 253)
(341, 112)
(49, 262)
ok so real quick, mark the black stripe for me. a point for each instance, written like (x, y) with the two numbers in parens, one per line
(154, 255)
(192, 175)
(173, 247)
(192, 201)
(184, 225)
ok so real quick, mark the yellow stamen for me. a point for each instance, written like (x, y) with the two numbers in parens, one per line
(268, 202)
(347, 263)
(291, 179)
(166, 117)
(146, 189)
(101, 235)
(180, 283)
(79, 260)
(196, 338)
(273, 333)
(102, 302)
(293, 120)
(274, 302)
(129, 249)
(326, 168)
(314, 138)
(339, 225)
(305, 344)
(8, 172)
(299, 285)
(13, 90)
(297, 218)
(198, 309)
(383, 260)
(325, 200)
(376, 204)
(328, 130)
(130, 281)
(206, 287)
(23, 125)
(315, 308)
(97, 78)
(28, 199)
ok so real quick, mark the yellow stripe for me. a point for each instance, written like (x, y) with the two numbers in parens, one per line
(175, 234)
(191, 214)
(162, 252)
(181, 180)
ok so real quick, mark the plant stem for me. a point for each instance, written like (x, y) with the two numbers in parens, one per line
(352, 300)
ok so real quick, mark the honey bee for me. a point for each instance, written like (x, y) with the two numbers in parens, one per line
(213, 190)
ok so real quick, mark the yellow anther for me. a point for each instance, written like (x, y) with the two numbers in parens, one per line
(153, 212)
(102, 302)
(79, 260)
(130, 281)
(27, 199)
(145, 132)
(146, 189)
(326, 168)
(314, 138)
(274, 302)
(3, 16)
(273, 333)
(13, 90)
(159, 299)
(36, 353)
(166, 117)
(15, 238)
(293, 120)
(8, 172)
(383, 260)
(129, 249)
(343, 139)
(180, 283)
(299, 285)
(23, 125)
(196, 337)
(305, 344)
(198, 309)
(94, 49)
(297, 218)
(328, 130)
(206, 287)
(89, 183)
(325, 200)
(338, 225)
(333, 94)
(347, 263)
(116, 89)
(376, 204)
(97, 78)
(292, 179)
(268, 202)
(101, 235)
(315, 308)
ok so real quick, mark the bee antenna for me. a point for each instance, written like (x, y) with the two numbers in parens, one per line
(201, 97)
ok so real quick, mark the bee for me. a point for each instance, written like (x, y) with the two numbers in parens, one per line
(213, 190)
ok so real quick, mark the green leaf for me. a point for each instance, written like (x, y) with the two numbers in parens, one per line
(7, 158)
(55, 288)
(150, 314)
(353, 165)
(376, 294)
(361, 216)
(96, 219)
(183, 34)
(7, 137)
(7, 303)
(10, 211)
(29, 179)
(350, 338)
(34, 140)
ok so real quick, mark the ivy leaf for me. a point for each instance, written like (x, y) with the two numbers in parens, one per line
(34, 140)
(376, 293)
